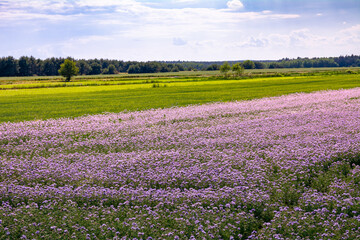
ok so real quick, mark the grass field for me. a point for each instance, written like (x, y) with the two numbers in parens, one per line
(44, 99)
(286, 167)
(122, 76)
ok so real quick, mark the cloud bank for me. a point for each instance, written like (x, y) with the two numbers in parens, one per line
(156, 30)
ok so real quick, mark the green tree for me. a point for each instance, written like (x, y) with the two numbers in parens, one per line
(135, 68)
(225, 68)
(237, 69)
(275, 65)
(24, 66)
(48, 67)
(34, 66)
(259, 65)
(112, 69)
(249, 64)
(308, 63)
(84, 67)
(68, 69)
(213, 67)
(95, 68)
(357, 63)
(8, 66)
(175, 69)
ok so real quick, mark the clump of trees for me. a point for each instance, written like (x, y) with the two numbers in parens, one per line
(68, 69)
(213, 67)
(237, 69)
(154, 67)
(248, 64)
(225, 68)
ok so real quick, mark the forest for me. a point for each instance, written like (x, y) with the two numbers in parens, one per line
(31, 66)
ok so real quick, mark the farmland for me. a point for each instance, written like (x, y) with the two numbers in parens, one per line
(179, 120)
(269, 155)
(49, 97)
(280, 167)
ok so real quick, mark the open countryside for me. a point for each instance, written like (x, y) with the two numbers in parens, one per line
(181, 119)
(231, 170)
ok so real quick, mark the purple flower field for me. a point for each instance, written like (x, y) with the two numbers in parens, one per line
(275, 168)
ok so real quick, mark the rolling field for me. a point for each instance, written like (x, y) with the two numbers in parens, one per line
(181, 157)
(39, 79)
(44, 99)
(285, 167)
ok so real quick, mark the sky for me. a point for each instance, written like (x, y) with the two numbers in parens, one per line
(186, 30)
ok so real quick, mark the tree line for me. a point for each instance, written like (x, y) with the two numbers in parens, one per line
(342, 61)
(31, 66)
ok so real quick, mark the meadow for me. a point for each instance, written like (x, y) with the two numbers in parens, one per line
(285, 167)
(31, 98)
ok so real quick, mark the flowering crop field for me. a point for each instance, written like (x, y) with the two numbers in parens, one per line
(285, 167)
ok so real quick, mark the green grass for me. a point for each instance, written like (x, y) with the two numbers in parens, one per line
(45, 103)
(15, 80)
(123, 76)
(128, 79)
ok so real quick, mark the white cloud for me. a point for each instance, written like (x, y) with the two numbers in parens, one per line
(132, 30)
(103, 3)
(179, 42)
(349, 36)
(352, 30)
(235, 5)
(300, 42)
(91, 38)
(254, 43)
(20, 17)
(185, 1)
(133, 10)
(37, 5)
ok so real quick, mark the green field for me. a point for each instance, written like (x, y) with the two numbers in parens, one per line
(124, 76)
(43, 98)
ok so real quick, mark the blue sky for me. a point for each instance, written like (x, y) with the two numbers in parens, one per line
(197, 30)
